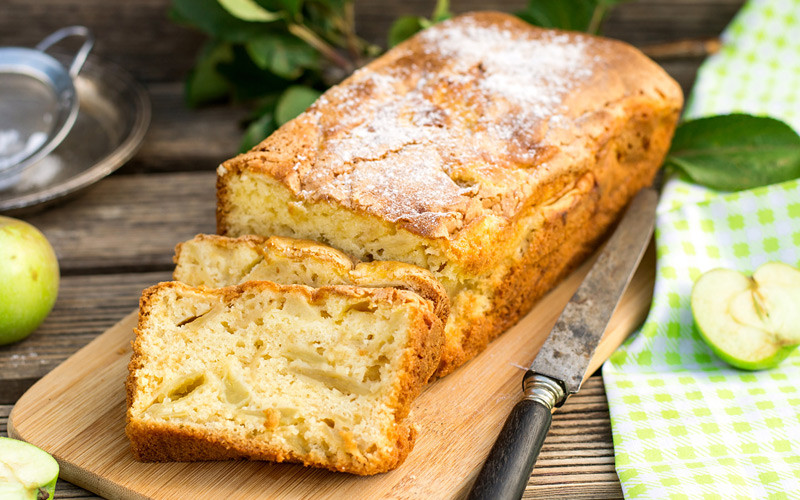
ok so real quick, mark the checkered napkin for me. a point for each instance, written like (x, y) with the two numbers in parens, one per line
(686, 425)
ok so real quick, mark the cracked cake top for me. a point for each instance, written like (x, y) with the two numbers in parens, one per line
(478, 117)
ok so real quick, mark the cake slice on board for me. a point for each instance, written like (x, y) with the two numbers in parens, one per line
(322, 376)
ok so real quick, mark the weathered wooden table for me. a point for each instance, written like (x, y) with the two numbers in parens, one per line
(118, 237)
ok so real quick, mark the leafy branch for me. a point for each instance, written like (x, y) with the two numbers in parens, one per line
(277, 55)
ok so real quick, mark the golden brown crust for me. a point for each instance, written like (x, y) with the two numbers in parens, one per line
(349, 270)
(569, 233)
(154, 442)
(162, 441)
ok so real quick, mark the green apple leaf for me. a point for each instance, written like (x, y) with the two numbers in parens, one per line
(209, 16)
(257, 131)
(577, 15)
(736, 151)
(205, 84)
(293, 6)
(293, 102)
(441, 12)
(283, 54)
(404, 28)
(248, 80)
(249, 10)
(563, 14)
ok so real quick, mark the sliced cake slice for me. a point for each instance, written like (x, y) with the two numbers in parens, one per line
(322, 376)
(217, 261)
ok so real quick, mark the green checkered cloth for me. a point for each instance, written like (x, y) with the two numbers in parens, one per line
(685, 424)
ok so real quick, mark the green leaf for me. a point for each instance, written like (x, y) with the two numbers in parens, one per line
(737, 151)
(271, 5)
(210, 17)
(205, 84)
(404, 28)
(562, 14)
(441, 12)
(576, 15)
(293, 6)
(248, 80)
(293, 102)
(283, 54)
(249, 10)
(257, 131)
(611, 3)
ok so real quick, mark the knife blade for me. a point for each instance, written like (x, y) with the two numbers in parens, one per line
(561, 364)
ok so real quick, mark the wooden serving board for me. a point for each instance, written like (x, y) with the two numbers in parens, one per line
(77, 413)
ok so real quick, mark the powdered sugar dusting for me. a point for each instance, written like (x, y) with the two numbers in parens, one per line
(534, 72)
(467, 96)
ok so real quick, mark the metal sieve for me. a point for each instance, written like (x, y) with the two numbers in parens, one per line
(38, 101)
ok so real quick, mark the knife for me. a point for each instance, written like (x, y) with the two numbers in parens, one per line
(560, 366)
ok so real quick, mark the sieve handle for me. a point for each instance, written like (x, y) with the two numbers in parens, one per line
(83, 52)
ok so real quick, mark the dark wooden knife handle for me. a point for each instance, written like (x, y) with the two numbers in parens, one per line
(508, 467)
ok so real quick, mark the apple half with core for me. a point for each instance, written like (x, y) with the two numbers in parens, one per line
(752, 323)
(28, 279)
(26, 472)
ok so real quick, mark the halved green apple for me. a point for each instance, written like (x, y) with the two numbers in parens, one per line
(26, 472)
(752, 323)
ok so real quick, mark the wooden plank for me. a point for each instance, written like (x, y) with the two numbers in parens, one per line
(4, 411)
(137, 35)
(185, 139)
(558, 475)
(129, 223)
(459, 419)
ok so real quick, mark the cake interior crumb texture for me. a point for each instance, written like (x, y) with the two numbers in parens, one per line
(285, 373)
(216, 261)
(490, 152)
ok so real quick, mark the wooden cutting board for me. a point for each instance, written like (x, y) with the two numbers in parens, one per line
(77, 413)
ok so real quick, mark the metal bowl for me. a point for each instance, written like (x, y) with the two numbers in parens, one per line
(38, 101)
(110, 124)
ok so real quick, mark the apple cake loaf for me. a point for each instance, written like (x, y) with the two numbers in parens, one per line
(217, 261)
(323, 376)
(490, 152)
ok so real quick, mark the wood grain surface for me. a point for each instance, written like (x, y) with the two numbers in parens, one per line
(577, 460)
(76, 413)
(117, 238)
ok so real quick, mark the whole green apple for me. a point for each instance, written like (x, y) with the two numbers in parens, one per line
(28, 279)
